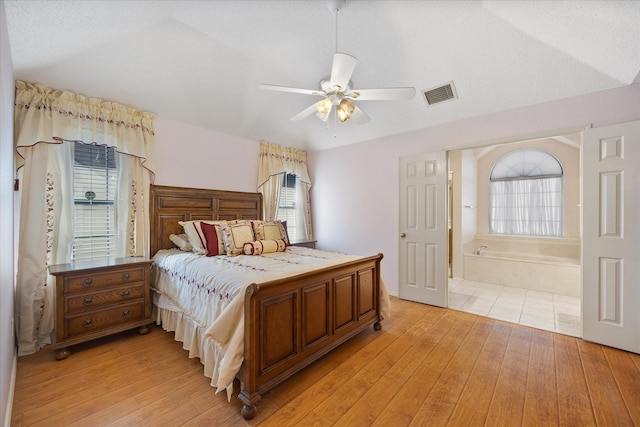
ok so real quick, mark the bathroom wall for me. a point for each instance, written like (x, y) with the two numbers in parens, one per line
(463, 165)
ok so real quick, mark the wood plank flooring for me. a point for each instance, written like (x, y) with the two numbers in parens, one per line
(428, 366)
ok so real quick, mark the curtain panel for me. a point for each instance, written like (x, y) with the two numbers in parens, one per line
(275, 161)
(47, 123)
(527, 207)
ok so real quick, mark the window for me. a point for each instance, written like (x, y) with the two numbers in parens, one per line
(525, 194)
(287, 204)
(94, 191)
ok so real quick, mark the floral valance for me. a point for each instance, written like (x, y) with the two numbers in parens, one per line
(48, 115)
(276, 159)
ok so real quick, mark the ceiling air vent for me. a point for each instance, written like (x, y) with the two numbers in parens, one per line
(440, 94)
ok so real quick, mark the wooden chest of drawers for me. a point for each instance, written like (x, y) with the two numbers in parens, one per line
(98, 298)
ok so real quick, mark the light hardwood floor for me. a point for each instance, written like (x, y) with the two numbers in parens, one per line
(428, 366)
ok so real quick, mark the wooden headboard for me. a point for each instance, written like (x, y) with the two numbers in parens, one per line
(168, 205)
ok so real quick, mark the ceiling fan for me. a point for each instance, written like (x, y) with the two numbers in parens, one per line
(337, 89)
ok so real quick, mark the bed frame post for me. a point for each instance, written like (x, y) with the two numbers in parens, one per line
(377, 325)
(247, 395)
(249, 409)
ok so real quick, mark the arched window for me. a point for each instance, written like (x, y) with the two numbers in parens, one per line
(526, 194)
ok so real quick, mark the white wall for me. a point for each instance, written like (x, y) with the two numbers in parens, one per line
(469, 202)
(7, 277)
(190, 156)
(465, 206)
(355, 192)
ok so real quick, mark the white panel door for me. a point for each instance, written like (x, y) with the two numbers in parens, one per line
(423, 228)
(611, 236)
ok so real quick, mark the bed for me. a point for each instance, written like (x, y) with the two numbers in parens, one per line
(286, 322)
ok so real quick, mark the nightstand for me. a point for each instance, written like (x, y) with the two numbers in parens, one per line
(305, 243)
(99, 298)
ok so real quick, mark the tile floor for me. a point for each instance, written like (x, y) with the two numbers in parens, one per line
(542, 310)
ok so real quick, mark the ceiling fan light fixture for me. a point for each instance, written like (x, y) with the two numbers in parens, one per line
(324, 107)
(344, 110)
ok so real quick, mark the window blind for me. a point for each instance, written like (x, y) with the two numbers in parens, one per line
(94, 190)
(287, 203)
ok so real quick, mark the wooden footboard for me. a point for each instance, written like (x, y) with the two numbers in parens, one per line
(290, 323)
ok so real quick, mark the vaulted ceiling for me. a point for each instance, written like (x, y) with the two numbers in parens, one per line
(200, 62)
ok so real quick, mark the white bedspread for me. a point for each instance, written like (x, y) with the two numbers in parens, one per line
(210, 291)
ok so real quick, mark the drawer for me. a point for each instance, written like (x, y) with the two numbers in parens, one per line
(90, 301)
(96, 320)
(88, 282)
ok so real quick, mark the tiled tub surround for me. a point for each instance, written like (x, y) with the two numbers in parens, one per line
(538, 264)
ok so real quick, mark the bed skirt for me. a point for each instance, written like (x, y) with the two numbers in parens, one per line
(190, 334)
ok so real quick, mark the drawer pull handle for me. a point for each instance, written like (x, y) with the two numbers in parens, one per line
(88, 282)
(125, 294)
(87, 323)
(126, 313)
(88, 300)
(126, 276)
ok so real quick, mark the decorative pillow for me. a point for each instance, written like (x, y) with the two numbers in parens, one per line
(235, 236)
(270, 230)
(193, 230)
(264, 247)
(181, 241)
(214, 242)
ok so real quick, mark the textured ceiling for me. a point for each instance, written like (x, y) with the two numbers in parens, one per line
(200, 62)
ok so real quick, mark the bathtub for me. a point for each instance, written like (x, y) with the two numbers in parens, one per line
(539, 272)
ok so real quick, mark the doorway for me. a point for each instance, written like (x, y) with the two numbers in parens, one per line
(525, 279)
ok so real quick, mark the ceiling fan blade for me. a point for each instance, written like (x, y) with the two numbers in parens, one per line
(290, 89)
(359, 117)
(342, 69)
(383, 94)
(305, 113)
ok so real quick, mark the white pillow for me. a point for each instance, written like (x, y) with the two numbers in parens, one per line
(181, 241)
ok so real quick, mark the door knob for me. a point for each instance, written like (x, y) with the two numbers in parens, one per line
(403, 235)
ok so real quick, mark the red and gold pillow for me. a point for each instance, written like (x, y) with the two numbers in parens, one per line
(214, 241)
(193, 230)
